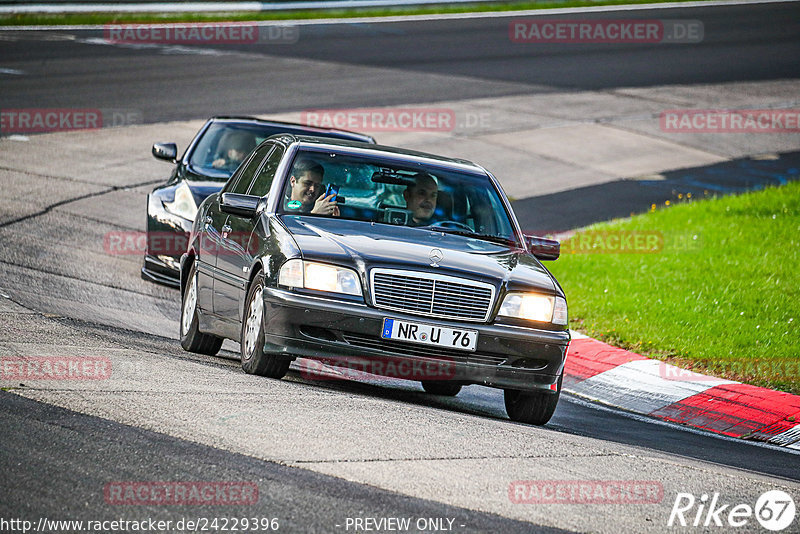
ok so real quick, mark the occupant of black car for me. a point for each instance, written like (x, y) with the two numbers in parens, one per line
(421, 199)
(232, 150)
(305, 190)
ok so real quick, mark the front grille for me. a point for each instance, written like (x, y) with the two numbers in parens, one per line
(431, 295)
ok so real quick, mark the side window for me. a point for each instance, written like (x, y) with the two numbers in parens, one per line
(263, 181)
(241, 183)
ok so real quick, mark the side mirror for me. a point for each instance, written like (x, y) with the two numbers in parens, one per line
(543, 248)
(241, 205)
(165, 151)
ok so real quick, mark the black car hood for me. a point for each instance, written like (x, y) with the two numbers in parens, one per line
(194, 172)
(367, 245)
(203, 185)
(201, 190)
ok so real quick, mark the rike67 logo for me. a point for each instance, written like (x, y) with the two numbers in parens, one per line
(774, 510)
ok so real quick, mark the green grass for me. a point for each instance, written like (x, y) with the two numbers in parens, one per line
(721, 297)
(37, 19)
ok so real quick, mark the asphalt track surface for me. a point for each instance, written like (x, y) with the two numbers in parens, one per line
(54, 462)
(367, 64)
(300, 499)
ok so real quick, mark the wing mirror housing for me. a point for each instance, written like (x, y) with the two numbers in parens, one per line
(241, 205)
(543, 248)
(166, 151)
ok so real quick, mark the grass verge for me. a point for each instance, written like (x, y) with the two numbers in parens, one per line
(42, 19)
(713, 286)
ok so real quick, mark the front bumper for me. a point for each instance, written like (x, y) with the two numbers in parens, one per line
(162, 270)
(347, 334)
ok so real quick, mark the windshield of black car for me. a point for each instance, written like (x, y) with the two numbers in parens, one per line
(395, 191)
(224, 145)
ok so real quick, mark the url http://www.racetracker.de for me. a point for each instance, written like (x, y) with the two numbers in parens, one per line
(195, 524)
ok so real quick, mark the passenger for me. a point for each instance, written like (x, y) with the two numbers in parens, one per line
(305, 190)
(235, 146)
(421, 199)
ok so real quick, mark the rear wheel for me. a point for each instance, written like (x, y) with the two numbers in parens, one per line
(441, 387)
(192, 339)
(254, 360)
(532, 408)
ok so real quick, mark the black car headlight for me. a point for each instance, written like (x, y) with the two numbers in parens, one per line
(183, 205)
(319, 277)
(535, 307)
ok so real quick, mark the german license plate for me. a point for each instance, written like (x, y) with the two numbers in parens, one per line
(426, 334)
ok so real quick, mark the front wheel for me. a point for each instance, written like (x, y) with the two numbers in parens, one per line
(192, 339)
(254, 360)
(532, 408)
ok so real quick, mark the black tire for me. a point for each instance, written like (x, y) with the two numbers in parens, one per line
(192, 339)
(441, 387)
(254, 360)
(532, 408)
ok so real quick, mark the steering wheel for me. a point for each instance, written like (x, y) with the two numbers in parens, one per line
(452, 224)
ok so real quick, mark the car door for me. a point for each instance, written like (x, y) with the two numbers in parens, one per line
(213, 220)
(235, 254)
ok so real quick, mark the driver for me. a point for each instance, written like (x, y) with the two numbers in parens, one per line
(421, 199)
(234, 148)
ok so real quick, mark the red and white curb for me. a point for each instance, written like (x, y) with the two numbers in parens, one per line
(627, 380)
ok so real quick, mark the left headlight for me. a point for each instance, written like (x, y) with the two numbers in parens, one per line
(535, 307)
(183, 205)
(320, 277)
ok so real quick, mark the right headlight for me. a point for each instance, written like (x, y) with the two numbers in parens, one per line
(535, 307)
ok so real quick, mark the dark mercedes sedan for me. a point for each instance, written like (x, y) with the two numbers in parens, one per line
(215, 152)
(400, 263)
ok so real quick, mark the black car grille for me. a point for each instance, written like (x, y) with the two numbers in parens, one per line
(432, 296)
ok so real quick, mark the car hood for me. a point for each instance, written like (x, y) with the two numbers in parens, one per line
(201, 190)
(203, 183)
(368, 245)
(195, 173)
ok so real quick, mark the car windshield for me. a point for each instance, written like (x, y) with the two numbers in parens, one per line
(399, 192)
(225, 145)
